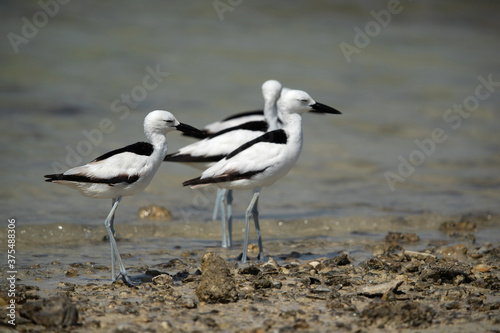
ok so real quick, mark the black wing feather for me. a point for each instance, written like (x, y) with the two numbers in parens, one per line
(184, 158)
(221, 179)
(138, 148)
(244, 114)
(86, 179)
(278, 136)
(260, 126)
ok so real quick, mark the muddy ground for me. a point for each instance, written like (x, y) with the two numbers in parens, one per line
(397, 282)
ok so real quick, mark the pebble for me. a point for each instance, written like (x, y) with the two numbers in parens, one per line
(419, 255)
(51, 312)
(380, 289)
(217, 285)
(71, 273)
(319, 289)
(483, 268)
(340, 260)
(402, 238)
(451, 226)
(156, 213)
(458, 251)
(250, 270)
(163, 280)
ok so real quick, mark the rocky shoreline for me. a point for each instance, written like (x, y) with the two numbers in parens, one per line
(439, 288)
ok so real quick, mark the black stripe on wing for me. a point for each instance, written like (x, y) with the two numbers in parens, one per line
(138, 148)
(222, 178)
(207, 134)
(260, 126)
(278, 136)
(203, 134)
(185, 158)
(86, 179)
(245, 114)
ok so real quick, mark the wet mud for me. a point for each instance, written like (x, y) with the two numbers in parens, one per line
(399, 282)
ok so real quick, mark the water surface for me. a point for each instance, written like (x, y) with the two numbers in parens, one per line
(82, 64)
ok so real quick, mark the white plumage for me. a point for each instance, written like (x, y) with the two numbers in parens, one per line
(226, 136)
(263, 160)
(123, 172)
(206, 152)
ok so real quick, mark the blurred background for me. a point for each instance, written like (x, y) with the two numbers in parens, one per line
(395, 71)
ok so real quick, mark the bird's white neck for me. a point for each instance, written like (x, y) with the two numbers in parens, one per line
(271, 114)
(159, 142)
(291, 120)
(292, 124)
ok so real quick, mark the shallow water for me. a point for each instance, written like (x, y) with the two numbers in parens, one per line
(397, 89)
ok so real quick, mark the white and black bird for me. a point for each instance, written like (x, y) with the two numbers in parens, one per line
(238, 119)
(205, 153)
(265, 159)
(123, 172)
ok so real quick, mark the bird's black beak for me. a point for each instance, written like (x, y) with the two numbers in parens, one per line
(322, 108)
(189, 129)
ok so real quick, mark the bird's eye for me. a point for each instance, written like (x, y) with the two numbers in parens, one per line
(303, 100)
(169, 121)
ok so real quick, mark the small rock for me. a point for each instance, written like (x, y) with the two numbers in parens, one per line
(446, 271)
(309, 280)
(340, 260)
(398, 237)
(485, 248)
(163, 280)
(300, 323)
(250, 270)
(378, 250)
(217, 285)
(314, 263)
(419, 255)
(463, 225)
(452, 305)
(262, 284)
(455, 251)
(156, 213)
(188, 302)
(380, 289)
(271, 263)
(381, 263)
(319, 289)
(338, 280)
(51, 312)
(405, 314)
(252, 249)
(173, 263)
(483, 268)
(71, 273)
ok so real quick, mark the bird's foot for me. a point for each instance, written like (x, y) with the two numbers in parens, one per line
(128, 281)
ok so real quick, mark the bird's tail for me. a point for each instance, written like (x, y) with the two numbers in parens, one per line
(197, 182)
(55, 176)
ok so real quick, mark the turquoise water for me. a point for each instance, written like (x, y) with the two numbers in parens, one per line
(80, 82)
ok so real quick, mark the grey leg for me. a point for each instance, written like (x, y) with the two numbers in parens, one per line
(230, 217)
(217, 204)
(221, 197)
(108, 223)
(111, 221)
(249, 212)
(255, 214)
